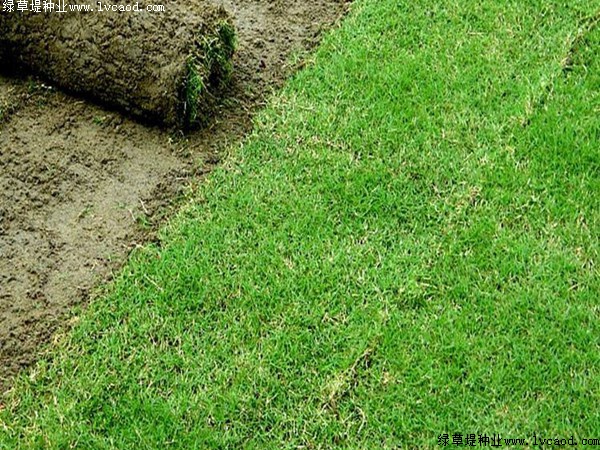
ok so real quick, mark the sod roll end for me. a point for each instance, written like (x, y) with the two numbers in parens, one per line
(161, 67)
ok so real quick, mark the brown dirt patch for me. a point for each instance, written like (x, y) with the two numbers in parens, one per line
(80, 185)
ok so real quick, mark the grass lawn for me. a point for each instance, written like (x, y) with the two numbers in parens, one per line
(407, 245)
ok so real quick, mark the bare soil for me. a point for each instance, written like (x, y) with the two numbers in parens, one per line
(81, 185)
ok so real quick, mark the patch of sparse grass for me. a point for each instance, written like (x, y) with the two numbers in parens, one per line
(6, 108)
(99, 120)
(406, 246)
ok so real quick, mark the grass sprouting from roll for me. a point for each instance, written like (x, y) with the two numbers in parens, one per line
(210, 68)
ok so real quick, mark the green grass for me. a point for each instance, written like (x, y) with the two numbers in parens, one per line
(406, 246)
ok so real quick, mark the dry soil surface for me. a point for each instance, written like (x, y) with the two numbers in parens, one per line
(81, 185)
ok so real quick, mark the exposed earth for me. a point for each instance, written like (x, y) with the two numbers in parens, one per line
(81, 185)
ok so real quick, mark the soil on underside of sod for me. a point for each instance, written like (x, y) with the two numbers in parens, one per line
(81, 185)
(162, 67)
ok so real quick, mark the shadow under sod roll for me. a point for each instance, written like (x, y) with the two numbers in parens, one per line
(162, 67)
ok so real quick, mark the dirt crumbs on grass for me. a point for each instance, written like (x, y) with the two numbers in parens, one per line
(80, 186)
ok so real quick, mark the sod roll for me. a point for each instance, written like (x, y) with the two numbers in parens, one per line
(159, 66)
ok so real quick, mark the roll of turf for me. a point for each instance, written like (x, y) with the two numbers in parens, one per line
(159, 66)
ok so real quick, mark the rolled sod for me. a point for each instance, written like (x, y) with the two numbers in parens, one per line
(160, 66)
